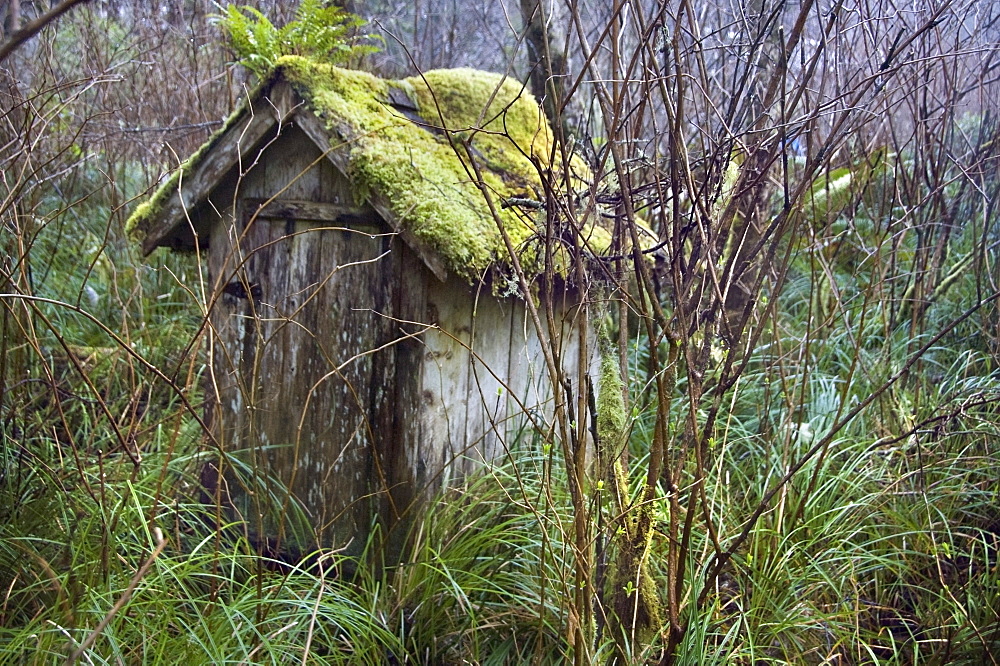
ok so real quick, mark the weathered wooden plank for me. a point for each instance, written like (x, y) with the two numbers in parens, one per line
(318, 211)
(445, 379)
(266, 266)
(226, 321)
(402, 447)
(517, 377)
(529, 376)
(346, 333)
(486, 425)
(234, 147)
(312, 126)
(383, 403)
(265, 262)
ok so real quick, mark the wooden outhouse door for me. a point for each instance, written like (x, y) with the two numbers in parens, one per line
(306, 307)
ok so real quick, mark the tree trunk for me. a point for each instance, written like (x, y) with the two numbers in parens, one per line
(545, 36)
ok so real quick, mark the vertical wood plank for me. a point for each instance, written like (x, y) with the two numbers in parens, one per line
(445, 392)
(485, 432)
(529, 375)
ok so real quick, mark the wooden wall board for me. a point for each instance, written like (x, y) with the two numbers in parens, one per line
(445, 379)
(306, 286)
(486, 421)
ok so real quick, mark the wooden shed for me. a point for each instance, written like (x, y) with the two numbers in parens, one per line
(368, 341)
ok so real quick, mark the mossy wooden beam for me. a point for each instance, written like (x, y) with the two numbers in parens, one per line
(407, 147)
(313, 127)
(192, 182)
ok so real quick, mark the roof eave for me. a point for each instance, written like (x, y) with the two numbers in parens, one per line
(272, 105)
(320, 135)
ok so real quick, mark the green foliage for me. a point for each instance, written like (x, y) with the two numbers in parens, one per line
(831, 193)
(321, 32)
(482, 580)
(883, 548)
(205, 598)
(486, 578)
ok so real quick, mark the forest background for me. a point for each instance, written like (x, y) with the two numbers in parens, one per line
(803, 460)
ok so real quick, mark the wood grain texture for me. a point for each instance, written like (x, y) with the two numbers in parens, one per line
(229, 151)
(344, 367)
(486, 420)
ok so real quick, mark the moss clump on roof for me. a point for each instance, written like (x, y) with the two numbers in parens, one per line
(426, 179)
(421, 166)
(512, 125)
(137, 223)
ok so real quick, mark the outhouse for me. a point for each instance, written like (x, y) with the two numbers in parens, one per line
(368, 339)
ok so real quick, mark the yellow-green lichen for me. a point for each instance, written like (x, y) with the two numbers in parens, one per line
(421, 166)
(611, 416)
(425, 175)
(505, 135)
(138, 222)
(634, 598)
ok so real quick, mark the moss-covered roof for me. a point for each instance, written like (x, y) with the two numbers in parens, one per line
(411, 143)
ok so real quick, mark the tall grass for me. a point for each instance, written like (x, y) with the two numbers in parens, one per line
(146, 562)
(881, 552)
(882, 546)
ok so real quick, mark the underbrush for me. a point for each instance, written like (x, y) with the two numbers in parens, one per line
(881, 551)
(811, 442)
(881, 548)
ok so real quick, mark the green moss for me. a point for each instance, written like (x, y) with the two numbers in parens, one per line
(423, 170)
(611, 416)
(634, 592)
(427, 180)
(137, 223)
(513, 126)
